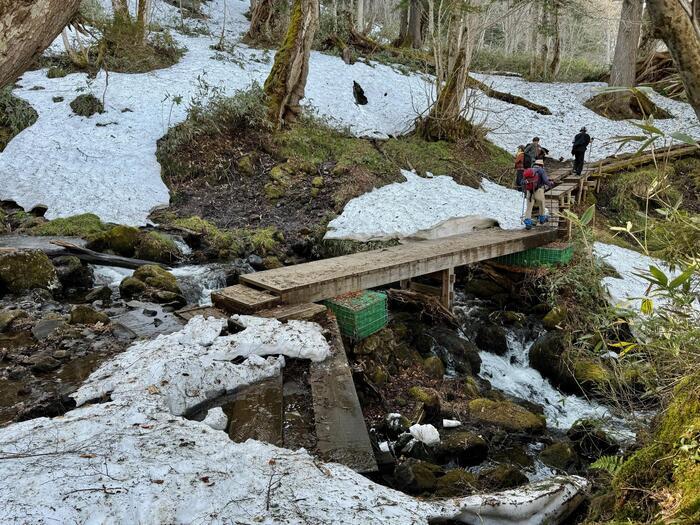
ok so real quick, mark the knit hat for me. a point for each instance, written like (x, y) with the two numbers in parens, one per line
(539, 162)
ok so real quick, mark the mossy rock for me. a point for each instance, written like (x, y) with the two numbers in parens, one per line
(376, 343)
(246, 165)
(502, 477)
(274, 191)
(280, 174)
(463, 447)
(554, 317)
(86, 105)
(492, 338)
(271, 262)
(157, 277)
(56, 72)
(459, 353)
(455, 483)
(560, 456)
(72, 273)
(506, 415)
(154, 246)
(8, 317)
(379, 375)
(430, 399)
(666, 464)
(121, 240)
(417, 477)
(434, 367)
(131, 287)
(86, 225)
(471, 388)
(317, 182)
(23, 270)
(83, 314)
(592, 375)
(590, 440)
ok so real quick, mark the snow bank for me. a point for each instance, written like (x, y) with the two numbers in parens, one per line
(106, 164)
(133, 459)
(403, 209)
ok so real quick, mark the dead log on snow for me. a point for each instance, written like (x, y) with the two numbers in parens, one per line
(104, 259)
(507, 97)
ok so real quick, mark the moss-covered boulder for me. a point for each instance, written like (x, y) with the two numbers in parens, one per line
(417, 477)
(590, 440)
(86, 105)
(560, 456)
(152, 283)
(8, 317)
(492, 338)
(456, 352)
(72, 273)
(121, 240)
(506, 415)
(455, 483)
(86, 225)
(22, 270)
(547, 357)
(154, 246)
(83, 314)
(666, 465)
(463, 447)
(430, 399)
(554, 317)
(434, 367)
(502, 477)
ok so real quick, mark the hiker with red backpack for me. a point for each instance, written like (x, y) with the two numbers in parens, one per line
(534, 182)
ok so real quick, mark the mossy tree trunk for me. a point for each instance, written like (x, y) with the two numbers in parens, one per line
(682, 37)
(553, 67)
(261, 18)
(143, 12)
(27, 28)
(285, 85)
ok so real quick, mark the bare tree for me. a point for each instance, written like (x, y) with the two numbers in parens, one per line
(121, 9)
(676, 22)
(27, 29)
(262, 14)
(285, 85)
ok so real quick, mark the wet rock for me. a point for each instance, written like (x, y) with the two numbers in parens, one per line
(8, 317)
(72, 273)
(255, 261)
(153, 283)
(43, 363)
(430, 399)
(234, 273)
(513, 318)
(433, 367)
(455, 351)
(466, 448)
(554, 317)
(48, 405)
(121, 240)
(483, 288)
(22, 270)
(561, 456)
(546, 356)
(590, 440)
(492, 338)
(454, 483)
(60, 354)
(83, 314)
(154, 246)
(271, 262)
(514, 456)
(47, 326)
(103, 293)
(417, 477)
(506, 415)
(502, 477)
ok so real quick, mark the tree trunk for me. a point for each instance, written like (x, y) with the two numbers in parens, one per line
(360, 16)
(678, 32)
(535, 10)
(556, 42)
(414, 24)
(121, 9)
(27, 28)
(624, 66)
(285, 85)
(260, 18)
(143, 13)
(402, 40)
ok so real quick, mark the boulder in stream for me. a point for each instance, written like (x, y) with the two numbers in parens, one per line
(506, 415)
(22, 270)
(463, 447)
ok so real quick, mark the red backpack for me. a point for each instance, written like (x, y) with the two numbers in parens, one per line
(531, 180)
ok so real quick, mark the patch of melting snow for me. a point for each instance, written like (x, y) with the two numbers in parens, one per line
(158, 467)
(402, 209)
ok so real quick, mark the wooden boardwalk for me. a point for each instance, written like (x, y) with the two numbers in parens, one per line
(328, 278)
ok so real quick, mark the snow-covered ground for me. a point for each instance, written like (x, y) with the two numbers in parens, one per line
(106, 164)
(134, 459)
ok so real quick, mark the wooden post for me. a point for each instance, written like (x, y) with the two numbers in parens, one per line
(447, 295)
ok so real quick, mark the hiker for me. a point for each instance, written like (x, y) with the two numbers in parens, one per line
(581, 142)
(519, 167)
(535, 179)
(533, 152)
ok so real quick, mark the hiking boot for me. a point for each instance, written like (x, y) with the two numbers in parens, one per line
(529, 224)
(543, 219)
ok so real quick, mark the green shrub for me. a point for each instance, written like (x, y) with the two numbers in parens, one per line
(87, 105)
(15, 115)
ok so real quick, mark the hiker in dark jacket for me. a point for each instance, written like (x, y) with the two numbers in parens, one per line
(533, 152)
(519, 167)
(581, 142)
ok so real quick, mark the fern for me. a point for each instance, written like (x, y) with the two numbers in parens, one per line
(611, 464)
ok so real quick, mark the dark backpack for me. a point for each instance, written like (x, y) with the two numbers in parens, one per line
(531, 180)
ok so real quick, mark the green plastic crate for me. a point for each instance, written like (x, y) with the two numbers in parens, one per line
(360, 314)
(540, 256)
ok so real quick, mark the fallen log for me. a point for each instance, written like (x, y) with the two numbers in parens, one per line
(507, 97)
(628, 161)
(428, 306)
(104, 259)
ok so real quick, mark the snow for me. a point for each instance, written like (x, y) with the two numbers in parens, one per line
(404, 209)
(628, 290)
(426, 434)
(216, 419)
(132, 458)
(106, 164)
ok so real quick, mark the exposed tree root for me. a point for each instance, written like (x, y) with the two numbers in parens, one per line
(625, 105)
